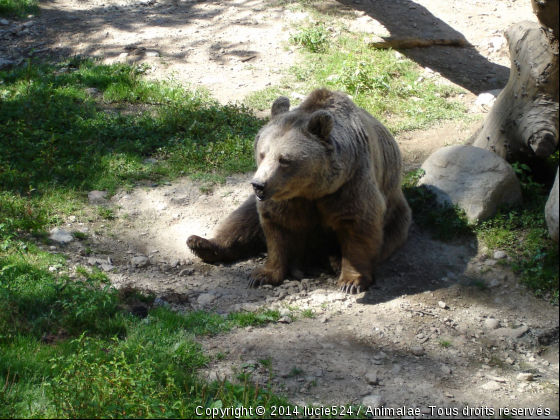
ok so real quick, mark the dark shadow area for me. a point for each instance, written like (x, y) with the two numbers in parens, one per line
(463, 66)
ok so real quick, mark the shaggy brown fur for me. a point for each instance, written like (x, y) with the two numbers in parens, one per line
(325, 168)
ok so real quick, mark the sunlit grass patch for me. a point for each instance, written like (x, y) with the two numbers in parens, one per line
(392, 88)
(18, 7)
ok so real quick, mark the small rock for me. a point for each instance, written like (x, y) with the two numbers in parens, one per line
(373, 401)
(61, 236)
(500, 255)
(4, 22)
(490, 263)
(417, 350)
(371, 377)
(491, 386)
(97, 197)
(485, 99)
(325, 319)
(446, 370)
(6, 63)
(206, 299)
(186, 272)
(526, 377)
(511, 332)
(140, 262)
(442, 305)
(494, 283)
(285, 320)
(107, 267)
(492, 323)
(160, 302)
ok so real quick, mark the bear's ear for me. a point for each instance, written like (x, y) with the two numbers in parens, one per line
(280, 105)
(320, 124)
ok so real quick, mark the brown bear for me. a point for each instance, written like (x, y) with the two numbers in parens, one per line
(327, 171)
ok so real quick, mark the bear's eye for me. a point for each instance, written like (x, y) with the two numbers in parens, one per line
(283, 161)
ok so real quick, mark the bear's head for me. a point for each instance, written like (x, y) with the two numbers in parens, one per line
(292, 153)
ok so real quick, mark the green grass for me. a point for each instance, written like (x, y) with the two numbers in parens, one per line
(19, 8)
(444, 343)
(57, 143)
(523, 234)
(394, 90)
(314, 38)
(69, 347)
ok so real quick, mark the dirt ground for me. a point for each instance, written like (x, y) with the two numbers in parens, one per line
(446, 327)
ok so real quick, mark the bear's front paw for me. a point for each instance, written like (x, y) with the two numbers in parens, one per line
(203, 248)
(263, 275)
(354, 284)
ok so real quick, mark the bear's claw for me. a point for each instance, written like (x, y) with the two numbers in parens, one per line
(262, 276)
(351, 289)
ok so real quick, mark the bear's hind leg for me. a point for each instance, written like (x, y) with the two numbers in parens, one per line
(396, 225)
(239, 235)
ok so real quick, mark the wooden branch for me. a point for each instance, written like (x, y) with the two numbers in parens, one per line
(406, 43)
(523, 124)
(547, 14)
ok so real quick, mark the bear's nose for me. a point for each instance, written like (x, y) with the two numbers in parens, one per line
(258, 186)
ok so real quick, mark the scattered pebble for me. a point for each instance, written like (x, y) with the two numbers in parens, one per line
(285, 320)
(417, 350)
(492, 323)
(206, 299)
(97, 197)
(491, 386)
(373, 401)
(442, 305)
(500, 255)
(527, 377)
(140, 262)
(371, 377)
(61, 236)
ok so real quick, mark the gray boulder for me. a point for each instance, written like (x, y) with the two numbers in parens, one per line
(476, 180)
(551, 211)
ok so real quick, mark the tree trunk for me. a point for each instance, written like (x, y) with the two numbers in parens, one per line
(547, 14)
(523, 123)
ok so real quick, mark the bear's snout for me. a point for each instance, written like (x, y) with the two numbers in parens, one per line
(259, 187)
